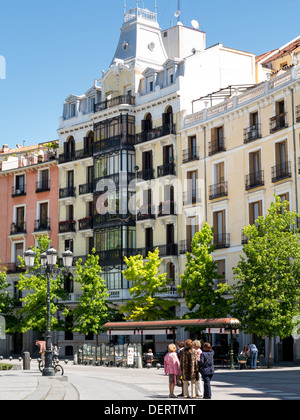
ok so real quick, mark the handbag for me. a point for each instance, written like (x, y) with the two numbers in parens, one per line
(179, 381)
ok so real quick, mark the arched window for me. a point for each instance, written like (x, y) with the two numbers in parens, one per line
(69, 146)
(89, 142)
(147, 122)
(167, 117)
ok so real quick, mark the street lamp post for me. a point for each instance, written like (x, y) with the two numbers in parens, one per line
(48, 262)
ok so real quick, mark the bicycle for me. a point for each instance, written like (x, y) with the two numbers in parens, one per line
(58, 369)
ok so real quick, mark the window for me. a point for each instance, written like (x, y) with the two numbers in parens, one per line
(72, 110)
(151, 86)
(69, 245)
(221, 239)
(92, 104)
(43, 216)
(20, 184)
(221, 268)
(284, 197)
(255, 211)
(18, 252)
(191, 228)
(149, 238)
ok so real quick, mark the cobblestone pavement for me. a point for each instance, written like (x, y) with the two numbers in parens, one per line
(110, 384)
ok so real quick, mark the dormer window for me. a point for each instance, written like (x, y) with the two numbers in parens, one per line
(92, 103)
(72, 110)
(151, 86)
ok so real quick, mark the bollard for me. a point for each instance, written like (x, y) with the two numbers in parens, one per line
(26, 360)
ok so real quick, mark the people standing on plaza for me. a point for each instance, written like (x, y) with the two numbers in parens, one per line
(199, 383)
(180, 346)
(149, 357)
(172, 368)
(253, 355)
(42, 347)
(206, 366)
(189, 368)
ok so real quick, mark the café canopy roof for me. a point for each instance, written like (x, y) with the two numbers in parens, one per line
(173, 324)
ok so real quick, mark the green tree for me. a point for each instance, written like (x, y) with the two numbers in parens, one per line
(92, 311)
(266, 292)
(148, 286)
(33, 314)
(202, 297)
(6, 302)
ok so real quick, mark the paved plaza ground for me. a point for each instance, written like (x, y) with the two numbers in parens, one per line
(110, 384)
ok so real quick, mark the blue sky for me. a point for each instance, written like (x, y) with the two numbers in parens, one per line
(54, 48)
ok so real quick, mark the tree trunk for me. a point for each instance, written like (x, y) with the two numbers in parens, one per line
(270, 353)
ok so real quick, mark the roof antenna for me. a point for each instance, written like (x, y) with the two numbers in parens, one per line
(178, 12)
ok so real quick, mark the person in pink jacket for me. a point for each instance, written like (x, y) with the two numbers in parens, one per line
(172, 368)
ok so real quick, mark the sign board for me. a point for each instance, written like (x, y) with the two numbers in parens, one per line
(221, 331)
(141, 332)
(130, 356)
(2, 328)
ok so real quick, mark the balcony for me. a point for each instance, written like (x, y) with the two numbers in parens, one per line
(67, 192)
(190, 155)
(42, 225)
(13, 268)
(67, 226)
(167, 250)
(76, 155)
(221, 240)
(281, 171)
(216, 146)
(167, 208)
(146, 212)
(254, 180)
(111, 103)
(19, 191)
(185, 246)
(146, 174)
(113, 256)
(191, 197)
(114, 142)
(86, 223)
(252, 133)
(155, 133)
(86, 189)
(99, 220)
(18, 228)
(42, 186)
(165, 170)
(218, 190)
(278, 122)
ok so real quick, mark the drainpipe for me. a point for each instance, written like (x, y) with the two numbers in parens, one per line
(294, 145)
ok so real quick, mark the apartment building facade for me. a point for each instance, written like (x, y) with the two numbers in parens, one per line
(120, 148)
(28, 192)
(248, 151)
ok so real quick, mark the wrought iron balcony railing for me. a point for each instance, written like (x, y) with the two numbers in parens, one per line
(222, 240)
(67, 192)
(42, 186)
(43, 224)
(278, 122)
(67, 226)
(111, 103)
(167, 169)
(216, 146)
(252, 133)
(281, 171)
(155, 133)
(190, 155)
(17, 228)
(19, 191)
(218, 190)
(254, 180)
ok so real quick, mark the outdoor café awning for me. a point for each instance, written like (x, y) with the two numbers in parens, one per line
(166, 327)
